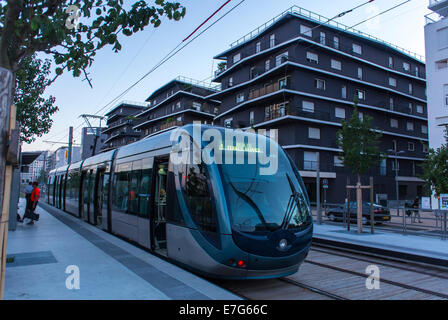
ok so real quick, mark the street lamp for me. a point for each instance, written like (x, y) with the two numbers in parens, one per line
(396, 153)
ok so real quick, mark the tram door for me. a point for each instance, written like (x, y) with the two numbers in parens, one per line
(159, 212)
(86, 195)
(98, 198)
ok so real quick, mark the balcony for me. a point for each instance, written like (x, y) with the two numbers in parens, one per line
(170, 124)
(265, 90)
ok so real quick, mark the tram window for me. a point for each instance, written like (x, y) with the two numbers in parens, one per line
(121, 193)
(197, 197)
(144, 192)
(133, 191)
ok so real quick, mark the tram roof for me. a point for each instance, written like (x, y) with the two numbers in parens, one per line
(99, 158)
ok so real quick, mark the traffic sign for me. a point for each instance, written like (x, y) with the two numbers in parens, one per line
(325, 183)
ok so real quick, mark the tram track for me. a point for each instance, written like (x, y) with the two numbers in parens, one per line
(338, 275)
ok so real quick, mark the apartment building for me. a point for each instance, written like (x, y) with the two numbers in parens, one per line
(179, 102)
(120, 122)
(300, 75)
(436, 44)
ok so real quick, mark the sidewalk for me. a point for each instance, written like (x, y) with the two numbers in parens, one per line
(109, 267)
(421, 249)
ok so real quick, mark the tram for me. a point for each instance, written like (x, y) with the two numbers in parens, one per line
(221, 219)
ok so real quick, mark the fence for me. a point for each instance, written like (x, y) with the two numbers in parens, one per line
(403, 219)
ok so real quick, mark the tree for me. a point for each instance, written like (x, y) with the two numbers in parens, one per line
(48, 26)
(435, 169)
(33, 111)
(359, 143)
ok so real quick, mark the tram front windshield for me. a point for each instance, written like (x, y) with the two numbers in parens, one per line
(260, 203)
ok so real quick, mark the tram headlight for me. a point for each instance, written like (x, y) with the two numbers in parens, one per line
(283, 244)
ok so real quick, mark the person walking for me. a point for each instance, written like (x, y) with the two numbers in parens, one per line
(34, 201)
(416, 206)
(28, 190)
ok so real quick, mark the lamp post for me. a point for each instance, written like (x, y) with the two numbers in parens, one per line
(396, 153)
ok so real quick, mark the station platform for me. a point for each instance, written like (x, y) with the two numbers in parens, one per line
(415, 248)
(109, 268)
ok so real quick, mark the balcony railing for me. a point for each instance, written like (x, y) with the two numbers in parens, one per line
(170, 124)
(264, 91)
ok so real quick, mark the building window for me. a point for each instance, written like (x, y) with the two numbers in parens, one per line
(267, 65)
(312, 57)
(394, 123)
(344, 92)
(424, 129)
(310, 160)
(308, 106)
(406, 66)
(410, 107)
(283, 83)
(336, 64)
(228, 123)
(306, 31)
(236, 57)
(319, 84)
(339, 113)
(361, 94)
(258, 47)
(419, 109)
(394, 145)
(231, 82)
(281, 58)
(411, 88)
(391, 62)
(383, 167)
(253, 73)
(410, 126)
(322, 38)
(361, 116)
(425, 148)
(442, 64)
(359, 73)
(251, 118)
(411, 146)
(336, 42)
(357, 48)
(338, 162)
(314, 133)
(178, 105)
(240, 97)
(445, 89)
(391, 103)
(272, 40)
(197, 106)
(392, 82)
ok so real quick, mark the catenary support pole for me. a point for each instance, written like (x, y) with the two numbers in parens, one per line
(319, 211)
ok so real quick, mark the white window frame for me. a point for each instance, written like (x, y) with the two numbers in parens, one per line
(336, 42)
(411, 89)
(420, 109)
(237, 57)
(336, 64)
(339, 112)
(310, 160)
(314, 133)
(272, 40)
(323, 38)
(445, 95)
(361, 116)
(267, 65)
(393, 123)
(357, 48)
(392, 82)
(258, 47)
(306, 31)
(240, 97)
(406, 66)
(344, 92)
(362, 96)
(227, 121)
(251, 117)
(411, 146)
(424, 129)
(360, 73)
(312, 57)
(410, 126)
(231, 82)
(278, 59)
(338, 162)
(391, 62)
(197, 106)
(391, 103)
(307, 106)
(317, 81)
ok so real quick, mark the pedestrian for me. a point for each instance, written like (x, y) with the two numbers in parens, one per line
(34, 201)
(28, 190)
(416, 206)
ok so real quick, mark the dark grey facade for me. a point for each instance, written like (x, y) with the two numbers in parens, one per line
(178, 103)
(301, 78)
(92, 141)
(120, 122)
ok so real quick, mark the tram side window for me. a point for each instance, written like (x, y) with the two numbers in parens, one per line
(121, 183)
(197, 197)
(133, 191)
(106, 184)
(144, 192)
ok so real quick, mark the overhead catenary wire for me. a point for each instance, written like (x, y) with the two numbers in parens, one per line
(172, 53)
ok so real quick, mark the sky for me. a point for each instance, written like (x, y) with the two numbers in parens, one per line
(112, 73)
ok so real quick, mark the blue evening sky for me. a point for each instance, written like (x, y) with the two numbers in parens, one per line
(112, 73)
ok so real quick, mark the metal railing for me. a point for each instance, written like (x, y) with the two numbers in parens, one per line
(403, 219)
(198, 83)
(295, 10)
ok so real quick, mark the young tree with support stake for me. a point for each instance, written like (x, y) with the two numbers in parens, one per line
(72, 32)
(359, 144)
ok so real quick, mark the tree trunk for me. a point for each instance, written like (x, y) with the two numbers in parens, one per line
(359, 204)
(6, 85)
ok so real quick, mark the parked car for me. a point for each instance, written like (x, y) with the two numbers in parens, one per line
(380, 213)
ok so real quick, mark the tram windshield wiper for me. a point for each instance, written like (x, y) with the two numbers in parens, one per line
(292, 204)
(264, 224)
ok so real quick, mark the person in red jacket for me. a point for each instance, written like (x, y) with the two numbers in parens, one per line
(34, 198)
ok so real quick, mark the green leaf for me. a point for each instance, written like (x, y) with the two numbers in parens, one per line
(59, 71)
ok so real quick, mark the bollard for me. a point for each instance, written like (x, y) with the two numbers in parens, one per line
(404, 219)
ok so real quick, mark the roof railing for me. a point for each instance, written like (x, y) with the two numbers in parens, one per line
(198, 83)
(296, 10)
